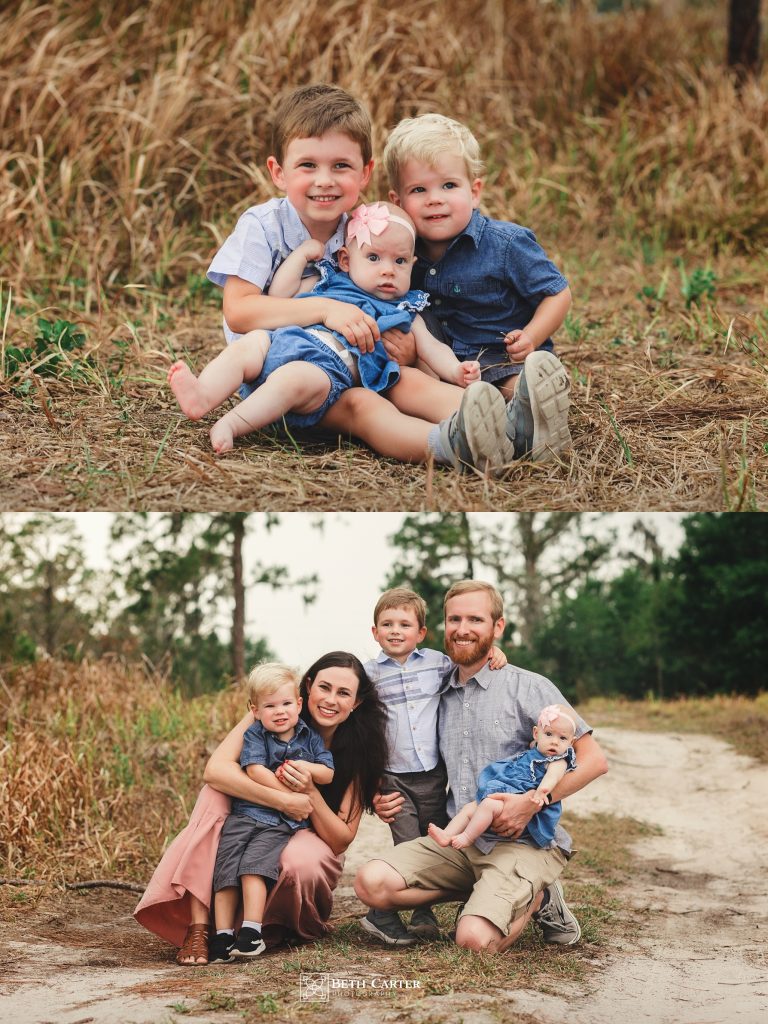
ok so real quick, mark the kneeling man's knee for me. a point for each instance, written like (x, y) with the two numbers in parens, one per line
(373, 883)
(476, 934)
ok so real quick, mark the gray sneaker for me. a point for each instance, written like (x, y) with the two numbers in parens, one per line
(537, 417)
(557, 923)
(387, 926)
(476, 433)
(423, 924)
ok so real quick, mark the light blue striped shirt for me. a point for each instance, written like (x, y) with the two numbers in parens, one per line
(263, 237)
(411, 695)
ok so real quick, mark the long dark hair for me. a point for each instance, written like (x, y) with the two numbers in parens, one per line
(359, 744)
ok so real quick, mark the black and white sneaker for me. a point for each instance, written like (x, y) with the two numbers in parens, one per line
(249, 943)
(220, 949)
(387, 926)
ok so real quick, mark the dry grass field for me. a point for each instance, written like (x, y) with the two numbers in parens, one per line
(133, 134)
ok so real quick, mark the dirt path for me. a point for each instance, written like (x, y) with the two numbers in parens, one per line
(702, 896)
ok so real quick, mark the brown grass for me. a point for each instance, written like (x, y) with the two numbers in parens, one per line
(132, 136)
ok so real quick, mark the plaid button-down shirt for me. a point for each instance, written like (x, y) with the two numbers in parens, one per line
(488, 718)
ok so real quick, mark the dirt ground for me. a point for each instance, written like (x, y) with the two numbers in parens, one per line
(699, 895)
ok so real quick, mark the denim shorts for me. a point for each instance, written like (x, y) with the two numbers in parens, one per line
(298, 344)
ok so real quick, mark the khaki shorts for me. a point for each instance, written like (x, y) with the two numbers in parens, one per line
(502, 884)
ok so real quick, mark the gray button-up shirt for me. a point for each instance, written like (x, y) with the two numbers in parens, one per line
(488, 718)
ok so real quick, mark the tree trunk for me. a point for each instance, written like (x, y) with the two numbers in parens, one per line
(744, 38)
(238, 616)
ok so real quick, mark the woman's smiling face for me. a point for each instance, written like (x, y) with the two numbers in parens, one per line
(332, 696)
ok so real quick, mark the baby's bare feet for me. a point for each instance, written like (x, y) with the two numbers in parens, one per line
(461, 841)
(438, 835)
(184, 385)
(222, 436)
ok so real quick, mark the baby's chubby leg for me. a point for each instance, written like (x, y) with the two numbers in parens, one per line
(292, 387)
(479, 821)
(238, 362)
(418, 394)
(457, 824)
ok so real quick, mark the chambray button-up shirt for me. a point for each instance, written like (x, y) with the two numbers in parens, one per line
(263, 237)
(490, 281)
(489, 718)
(411, 695)
(263, 747)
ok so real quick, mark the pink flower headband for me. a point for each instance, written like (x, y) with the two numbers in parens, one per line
(551, 713)
(373, 219)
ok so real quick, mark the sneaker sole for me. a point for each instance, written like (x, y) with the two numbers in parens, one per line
(548, 388)
(484, 413)
(373, 930)
(239, 954)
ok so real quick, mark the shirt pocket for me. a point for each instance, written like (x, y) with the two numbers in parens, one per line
(474, 288)
(493, 739)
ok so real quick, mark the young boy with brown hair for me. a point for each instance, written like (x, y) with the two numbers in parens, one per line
(321, 161)
(408, 680)
(495, 294)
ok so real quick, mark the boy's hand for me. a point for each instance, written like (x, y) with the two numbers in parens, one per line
(358, 328)
(387, 805)
(311, 250)
(497, 658)
(537, 798)
(518, 346)
(400, 347)
(467, 372)
(297, 806)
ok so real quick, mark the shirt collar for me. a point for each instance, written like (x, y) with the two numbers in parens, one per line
(298, 730)
(296, 231)
(473, 230)
(381, 658)
(482, 677)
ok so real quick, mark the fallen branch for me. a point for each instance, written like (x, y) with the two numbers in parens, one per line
(97, 883)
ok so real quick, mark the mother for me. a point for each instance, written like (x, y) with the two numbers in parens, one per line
(341, 704)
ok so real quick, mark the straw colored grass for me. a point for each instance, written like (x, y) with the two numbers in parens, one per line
(131, 137)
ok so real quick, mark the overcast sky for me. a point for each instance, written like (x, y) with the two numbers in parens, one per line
(352, 558)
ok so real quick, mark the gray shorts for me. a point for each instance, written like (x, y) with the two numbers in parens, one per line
(248, 847)
(425, 796)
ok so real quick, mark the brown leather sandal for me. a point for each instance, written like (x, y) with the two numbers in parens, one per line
(194, 951)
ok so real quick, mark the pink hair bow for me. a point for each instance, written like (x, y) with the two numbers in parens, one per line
(551, 713)
(372, 219)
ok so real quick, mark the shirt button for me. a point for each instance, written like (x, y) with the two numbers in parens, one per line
(438, 301)
(463, 788)
(466, 732)
(444, 323)
(496, 721)
(466, 705)
(432, 272)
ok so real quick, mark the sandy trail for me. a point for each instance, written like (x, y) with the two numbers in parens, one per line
(701, 901)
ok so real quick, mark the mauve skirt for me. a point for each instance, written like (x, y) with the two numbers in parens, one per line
(299, 905)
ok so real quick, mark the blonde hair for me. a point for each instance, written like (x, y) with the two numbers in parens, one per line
(314, 110)
(401, 597)
(267, 679)
(470, 586)
(426, 139)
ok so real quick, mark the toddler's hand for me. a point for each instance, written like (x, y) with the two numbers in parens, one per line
(358, 328)
(518, 346)
(536, 797)
(497, 658)
(311, 250)
(400, 346)
(467, 372)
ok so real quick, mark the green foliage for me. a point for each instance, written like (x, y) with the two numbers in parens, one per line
(699, 285)
(56, 351)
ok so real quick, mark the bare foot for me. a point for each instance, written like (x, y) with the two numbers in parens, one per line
(438, 834)
(461, 841)
(185, 386)
(222, 436)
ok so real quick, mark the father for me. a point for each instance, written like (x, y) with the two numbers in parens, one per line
(485, 716)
